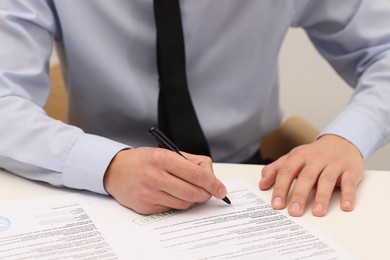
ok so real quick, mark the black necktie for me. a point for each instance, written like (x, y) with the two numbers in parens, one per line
(176, 114)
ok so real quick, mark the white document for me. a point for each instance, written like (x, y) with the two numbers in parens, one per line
(86, 226)
(51, 228)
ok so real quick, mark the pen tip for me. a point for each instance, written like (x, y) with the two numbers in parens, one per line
(226, 200)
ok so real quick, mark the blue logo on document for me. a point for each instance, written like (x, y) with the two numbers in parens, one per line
(4, 224)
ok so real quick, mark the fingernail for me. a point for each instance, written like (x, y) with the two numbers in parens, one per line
(319, 207)
(221, 193)
(295, 207)
(277, 202)
(347, 205)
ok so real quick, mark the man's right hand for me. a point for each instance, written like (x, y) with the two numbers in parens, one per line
(154, 180)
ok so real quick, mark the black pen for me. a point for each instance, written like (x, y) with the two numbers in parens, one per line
(166, 143)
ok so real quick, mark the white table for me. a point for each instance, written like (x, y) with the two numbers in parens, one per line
(365, 232)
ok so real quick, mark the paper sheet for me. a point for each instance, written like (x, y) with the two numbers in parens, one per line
(50, 228)
(93, 226)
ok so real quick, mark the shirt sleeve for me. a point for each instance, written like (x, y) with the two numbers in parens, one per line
(354, 36)
(32, 144)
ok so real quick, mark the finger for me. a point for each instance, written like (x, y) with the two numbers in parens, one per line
(348, 191)
(269, 172)
(285, 176)
(154, 203)
(181, 189)
(194, 174)
(303, 187)
(325, 187)
(202, 161)
(150, 194)
(150, 210)
(166, 200)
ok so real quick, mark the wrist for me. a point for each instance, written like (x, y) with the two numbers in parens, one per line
(116, 165)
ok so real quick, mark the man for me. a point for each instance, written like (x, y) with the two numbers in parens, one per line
(108, 53)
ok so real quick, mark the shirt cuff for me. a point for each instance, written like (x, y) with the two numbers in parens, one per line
(357, 128)
(87, 162)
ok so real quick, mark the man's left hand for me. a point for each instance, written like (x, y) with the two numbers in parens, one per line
(320, 166)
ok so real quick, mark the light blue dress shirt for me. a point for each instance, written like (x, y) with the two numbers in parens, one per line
(107, 49)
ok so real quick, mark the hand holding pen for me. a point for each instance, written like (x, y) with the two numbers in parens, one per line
(166, 143)
(153, 180)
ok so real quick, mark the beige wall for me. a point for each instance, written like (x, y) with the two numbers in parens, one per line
(310, 88)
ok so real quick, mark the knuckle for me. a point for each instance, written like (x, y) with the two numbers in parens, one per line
(215, 186)
(288, 168)
(141, 207)
(298, 151)
(328, 178)
(144, 202)
(144, 197)
(349, 194)
(207, 159)
(194, 175)
(348, 187)
(286, 172)
(299, 196)
(352, 178)
(192, 195)
(280, 191)
(150, 179)
(183, 204)
(348, 165)
(322, 197)
(267, 170)
(156, 156)
(307, 177)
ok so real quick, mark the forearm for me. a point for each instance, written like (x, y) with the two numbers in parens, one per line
(356, 42)
(38, 147)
